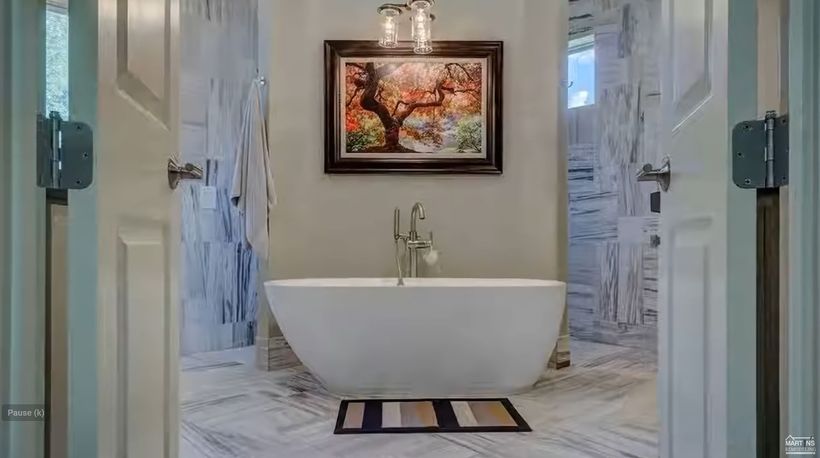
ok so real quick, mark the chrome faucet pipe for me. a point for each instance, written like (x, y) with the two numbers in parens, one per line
(397, 223)
(399, 271)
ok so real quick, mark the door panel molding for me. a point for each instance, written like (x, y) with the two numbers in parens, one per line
(690, 26)
(144, 413)
(688, 248)
(142, 68)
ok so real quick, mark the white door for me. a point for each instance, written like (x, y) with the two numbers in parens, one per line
(137, 228)
(704, 273)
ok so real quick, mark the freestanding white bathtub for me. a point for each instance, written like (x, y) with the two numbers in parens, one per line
(435, 337)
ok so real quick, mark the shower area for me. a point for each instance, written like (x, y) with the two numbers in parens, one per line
(613, 111)
(219, 273)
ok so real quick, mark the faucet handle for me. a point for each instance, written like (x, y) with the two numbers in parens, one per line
(397, 223)
(431, 238)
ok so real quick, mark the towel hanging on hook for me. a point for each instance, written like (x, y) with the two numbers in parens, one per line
(253, 191)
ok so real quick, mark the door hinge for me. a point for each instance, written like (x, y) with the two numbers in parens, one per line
(65, 153)
(760, 152)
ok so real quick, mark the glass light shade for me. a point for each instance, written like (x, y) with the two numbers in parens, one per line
(423, 47)
(390, 28)
(420, 5)
(420, 19)
(422, 24)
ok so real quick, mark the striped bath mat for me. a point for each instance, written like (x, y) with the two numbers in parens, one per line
(429, 416)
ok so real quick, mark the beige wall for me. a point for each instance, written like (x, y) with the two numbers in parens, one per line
(508, 226)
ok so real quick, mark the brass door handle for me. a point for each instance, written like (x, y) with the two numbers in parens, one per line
(178, 172)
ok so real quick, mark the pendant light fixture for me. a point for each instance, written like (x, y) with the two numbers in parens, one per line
(421, 24)
(390, 26)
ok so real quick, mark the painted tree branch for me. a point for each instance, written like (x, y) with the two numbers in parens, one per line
(411, 107)
(449, 68)
(392, 120)
(353, 97)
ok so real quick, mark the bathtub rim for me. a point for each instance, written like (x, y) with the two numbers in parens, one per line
(431, 282)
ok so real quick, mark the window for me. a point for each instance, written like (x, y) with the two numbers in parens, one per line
(57, 60)
(581, 72)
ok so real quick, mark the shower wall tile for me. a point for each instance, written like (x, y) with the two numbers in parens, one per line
(607, 306)
(612, 292)
(219, 272)
(194, 92)
(630, 284)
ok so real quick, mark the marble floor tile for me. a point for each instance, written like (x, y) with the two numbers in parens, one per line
(601, 407)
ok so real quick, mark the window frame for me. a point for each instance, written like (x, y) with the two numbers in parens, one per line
(587, 42)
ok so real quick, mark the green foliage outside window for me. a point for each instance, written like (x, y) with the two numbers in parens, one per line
(57, 62)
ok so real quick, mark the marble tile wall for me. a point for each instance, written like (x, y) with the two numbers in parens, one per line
(219, 273)
(612, 267)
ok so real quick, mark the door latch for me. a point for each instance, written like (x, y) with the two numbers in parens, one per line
(655, 202)
(65, 153)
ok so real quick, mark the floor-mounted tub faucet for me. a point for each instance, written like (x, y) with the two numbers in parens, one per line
(412, 241)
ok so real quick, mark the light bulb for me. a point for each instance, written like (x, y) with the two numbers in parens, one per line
(390, 28)
(419, 21)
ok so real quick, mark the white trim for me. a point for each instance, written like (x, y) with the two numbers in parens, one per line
(5, 215)
(588, 42)
(804, 175)
(740, 321)
(27, 217)
(83, 424)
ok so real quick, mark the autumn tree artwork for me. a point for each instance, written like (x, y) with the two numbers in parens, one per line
(425, 107)
(392, 111)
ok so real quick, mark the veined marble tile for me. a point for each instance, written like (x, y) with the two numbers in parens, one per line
(602, 406)
(219, 272)
(612, 291)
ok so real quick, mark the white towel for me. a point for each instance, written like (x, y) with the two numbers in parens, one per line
(253, 188)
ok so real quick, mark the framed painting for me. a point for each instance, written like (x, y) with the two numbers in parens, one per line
(392, 111)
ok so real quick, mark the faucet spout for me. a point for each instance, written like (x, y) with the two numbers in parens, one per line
(416, 214)
(413, 244)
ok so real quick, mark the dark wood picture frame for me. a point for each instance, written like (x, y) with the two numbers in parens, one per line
(492, 163)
